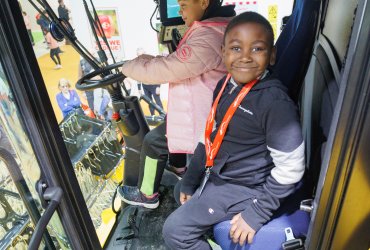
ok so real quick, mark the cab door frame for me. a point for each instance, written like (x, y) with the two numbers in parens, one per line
(26, 82)
(346, 154)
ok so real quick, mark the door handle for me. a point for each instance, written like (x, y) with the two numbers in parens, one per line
(54, 196)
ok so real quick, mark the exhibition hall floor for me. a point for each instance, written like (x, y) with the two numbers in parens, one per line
(69, 61)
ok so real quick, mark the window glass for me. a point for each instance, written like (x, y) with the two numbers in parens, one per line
(19, 172)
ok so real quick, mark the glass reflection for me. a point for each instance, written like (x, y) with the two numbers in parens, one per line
(19, 171)
(9, 120)
(97, 157)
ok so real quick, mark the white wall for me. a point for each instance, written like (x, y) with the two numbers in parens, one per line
(133, 16)
(282, 7)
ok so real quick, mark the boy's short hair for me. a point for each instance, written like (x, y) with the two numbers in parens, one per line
(250, 17)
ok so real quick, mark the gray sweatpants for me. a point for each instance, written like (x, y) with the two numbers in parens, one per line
(219, 201)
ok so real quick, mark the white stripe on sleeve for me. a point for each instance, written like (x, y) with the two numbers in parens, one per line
(289, 167)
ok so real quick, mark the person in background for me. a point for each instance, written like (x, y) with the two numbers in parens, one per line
(43, 22)
(153, 92)
(63, 11)
(84, 68)
(98, 99)
(150, 90)
(102, 104)
(132, 87)
(54, 50)
(28, 26)
(67, 99)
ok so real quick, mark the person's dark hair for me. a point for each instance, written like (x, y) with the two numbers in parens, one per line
(215, 9)
(250, 17)
(217, 2)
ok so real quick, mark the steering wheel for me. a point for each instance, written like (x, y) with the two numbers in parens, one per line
(88, 83)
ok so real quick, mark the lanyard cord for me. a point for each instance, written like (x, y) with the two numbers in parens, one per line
(212, 148)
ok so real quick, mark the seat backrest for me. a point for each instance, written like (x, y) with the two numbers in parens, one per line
(318, 100)
(295, 44)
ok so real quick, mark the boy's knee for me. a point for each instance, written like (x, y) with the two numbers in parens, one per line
(171, 232)
(168, 229)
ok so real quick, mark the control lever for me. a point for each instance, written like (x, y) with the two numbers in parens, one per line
(176, 37)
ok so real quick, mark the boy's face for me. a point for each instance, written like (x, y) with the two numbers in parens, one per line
(192, 10)
(247, 52)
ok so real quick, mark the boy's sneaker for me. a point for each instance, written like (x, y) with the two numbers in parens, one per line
(133, 196)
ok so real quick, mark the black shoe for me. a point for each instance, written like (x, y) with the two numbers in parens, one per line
(133, 196)
(175, 171)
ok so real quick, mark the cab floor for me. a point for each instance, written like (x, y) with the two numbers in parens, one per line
(141, 228)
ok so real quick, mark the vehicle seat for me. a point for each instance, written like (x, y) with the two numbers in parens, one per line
(318, 100)
(295, 45)
(271, 235)
(294, 48)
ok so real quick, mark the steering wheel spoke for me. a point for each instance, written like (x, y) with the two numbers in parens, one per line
(110, 75)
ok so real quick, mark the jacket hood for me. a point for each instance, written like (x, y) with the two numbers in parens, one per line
(214, 10)
(268, 82)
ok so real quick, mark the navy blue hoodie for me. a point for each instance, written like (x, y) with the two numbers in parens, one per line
(262, 149)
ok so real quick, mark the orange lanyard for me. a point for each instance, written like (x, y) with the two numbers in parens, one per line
(213, 147)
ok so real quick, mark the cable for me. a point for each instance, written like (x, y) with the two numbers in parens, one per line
(52, 17)
(151, 22)
(114, 197)
(101, 31)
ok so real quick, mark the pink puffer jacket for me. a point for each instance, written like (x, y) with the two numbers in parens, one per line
(192, 72)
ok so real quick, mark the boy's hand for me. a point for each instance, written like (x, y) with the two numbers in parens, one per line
(240, 231)
(184, 197)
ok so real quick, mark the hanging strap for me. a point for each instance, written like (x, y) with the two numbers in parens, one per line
(212, 148)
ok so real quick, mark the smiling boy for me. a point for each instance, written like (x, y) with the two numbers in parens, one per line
(255, 151)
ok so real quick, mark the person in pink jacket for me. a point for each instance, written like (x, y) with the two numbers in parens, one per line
(192, 72)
